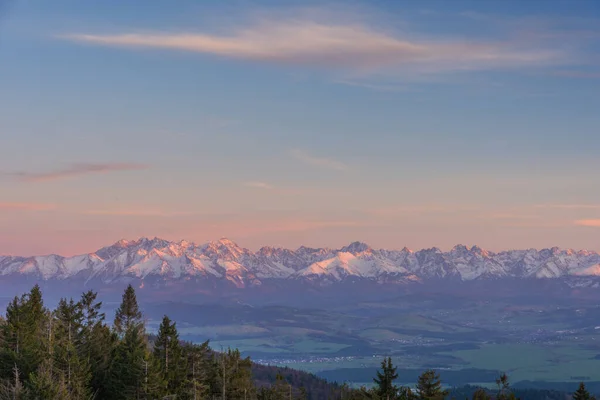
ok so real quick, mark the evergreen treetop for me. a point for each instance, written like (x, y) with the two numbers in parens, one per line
(128, 315)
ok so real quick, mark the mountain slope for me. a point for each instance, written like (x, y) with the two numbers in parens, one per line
(223, 260)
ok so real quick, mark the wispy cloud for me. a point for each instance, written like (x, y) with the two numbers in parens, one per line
(420, 209)
(569, 206)
(318, 161)
(136, 212)
(510, 216)
(588, 222)
(27, 206)
(577, 74)
(353, 45)
(258, 185)
(76, 170)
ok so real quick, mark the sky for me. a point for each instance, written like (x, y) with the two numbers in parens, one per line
(404, 123)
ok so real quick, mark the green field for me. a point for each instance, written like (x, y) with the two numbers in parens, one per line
(471, 343)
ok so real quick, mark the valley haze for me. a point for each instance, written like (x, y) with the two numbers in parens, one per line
(467, 312)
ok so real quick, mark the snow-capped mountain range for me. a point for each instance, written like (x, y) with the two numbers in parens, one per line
(162, 260)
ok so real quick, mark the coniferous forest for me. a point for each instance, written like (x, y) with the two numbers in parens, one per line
(72, 352)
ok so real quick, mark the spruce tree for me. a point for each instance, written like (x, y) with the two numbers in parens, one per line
(96, 341)
(503, 388)
(25, 341)
(481, 394)
(581, 393)
(48, 383)
(168, 353)
(429, 386)
(385, 388)
(12, 387)
(129, 361)
(233, 375)
(198, 371)
(281, 389)
(128, 315)
(66, 345)
(12, 336)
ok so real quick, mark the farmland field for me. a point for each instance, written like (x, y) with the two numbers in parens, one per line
(468, 342)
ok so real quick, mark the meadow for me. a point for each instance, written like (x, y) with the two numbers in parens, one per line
(467, 342)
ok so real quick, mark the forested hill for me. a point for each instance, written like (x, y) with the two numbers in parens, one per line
(71, 353)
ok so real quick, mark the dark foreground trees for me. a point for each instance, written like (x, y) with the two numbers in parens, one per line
(384, 381)
(582, 393)
(71, 353)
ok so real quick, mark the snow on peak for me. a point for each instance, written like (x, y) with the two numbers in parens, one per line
(224, 259)
(593, 270)
(356, 247)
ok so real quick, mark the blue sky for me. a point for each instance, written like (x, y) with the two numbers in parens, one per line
(403, 123)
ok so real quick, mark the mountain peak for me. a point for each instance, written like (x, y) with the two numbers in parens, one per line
(356, 247)
(460, 248)
(226, 242)
(224, 259)
(121, 243)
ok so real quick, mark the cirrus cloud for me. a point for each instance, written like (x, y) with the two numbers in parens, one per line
(75, 170)
(355, 46)
(595, 223)
(27, 206)
(323, 162)
(258, 185)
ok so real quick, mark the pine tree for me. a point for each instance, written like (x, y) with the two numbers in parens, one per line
(12, 388)
(581, 393)
(503, 388)
(481, 394)
(429, 386)
(281, 388)
(12, 336)
(66, 345)
(129, 361)
(128, 315)
(96, 341)
(385, 389)
(233, 375)
(48, 383)
(168, 353)
(25, 343)
(198, 371)
(153, 386)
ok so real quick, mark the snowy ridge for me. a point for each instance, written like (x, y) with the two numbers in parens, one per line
(224, 260)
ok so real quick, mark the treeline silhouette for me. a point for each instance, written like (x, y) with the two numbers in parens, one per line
(71, 353)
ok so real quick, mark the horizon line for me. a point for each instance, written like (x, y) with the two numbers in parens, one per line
(405, 248)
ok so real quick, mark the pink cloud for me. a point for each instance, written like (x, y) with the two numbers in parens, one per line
(588, 222)
(258, 185)
(27, 206)
(137, 212)
(323, 162)
(77, 170)
(418, 209)
(569, 206)
(350, 45)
